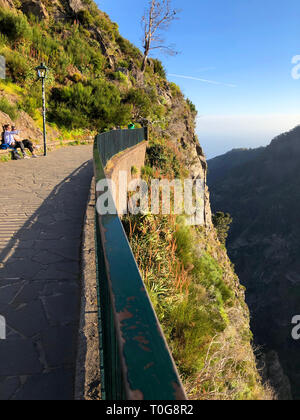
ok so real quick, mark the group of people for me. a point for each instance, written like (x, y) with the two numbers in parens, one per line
(10, 139)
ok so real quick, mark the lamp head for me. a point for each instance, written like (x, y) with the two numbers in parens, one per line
(42, 71)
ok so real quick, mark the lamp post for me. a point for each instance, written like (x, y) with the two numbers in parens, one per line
(42, 74)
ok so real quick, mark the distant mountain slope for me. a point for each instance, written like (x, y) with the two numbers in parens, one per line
(221, 165)
(261, 190)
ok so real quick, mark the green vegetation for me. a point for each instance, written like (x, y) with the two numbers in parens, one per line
(165, 159)
(8, 108)
(196, 295)
(159, 68)
(175, 89)
(14, 26)
(85, 90)
(121, 77)
(192, 106)
(222, 224)
(128, 49)
(134, 170)
(98, 103)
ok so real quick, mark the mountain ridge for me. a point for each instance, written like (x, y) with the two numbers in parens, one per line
(262, 196)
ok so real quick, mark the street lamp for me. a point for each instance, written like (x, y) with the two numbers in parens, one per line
(42, 74)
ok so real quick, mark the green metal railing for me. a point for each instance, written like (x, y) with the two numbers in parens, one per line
(113, 142)
(135, 360)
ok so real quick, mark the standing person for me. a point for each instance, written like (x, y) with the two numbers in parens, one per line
(10, 140)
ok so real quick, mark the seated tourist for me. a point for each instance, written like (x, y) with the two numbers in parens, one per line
(12, 139)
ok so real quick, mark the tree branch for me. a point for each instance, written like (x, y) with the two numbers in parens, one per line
(156, 19)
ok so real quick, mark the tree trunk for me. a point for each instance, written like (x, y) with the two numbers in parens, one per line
(145, 59)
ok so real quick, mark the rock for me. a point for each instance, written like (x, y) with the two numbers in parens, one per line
(7, 3)
(273, 373)
(35, 7)
(76, 5)
(104, 47)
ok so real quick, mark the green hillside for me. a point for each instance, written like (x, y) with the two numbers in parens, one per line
(94, 80)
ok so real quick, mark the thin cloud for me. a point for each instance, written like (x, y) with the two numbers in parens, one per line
(212, 82)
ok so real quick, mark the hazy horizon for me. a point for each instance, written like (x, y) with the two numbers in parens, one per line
(218, 134)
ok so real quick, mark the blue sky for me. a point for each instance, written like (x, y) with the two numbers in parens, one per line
(246, 46)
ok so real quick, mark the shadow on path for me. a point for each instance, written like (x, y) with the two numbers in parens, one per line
(39, 295)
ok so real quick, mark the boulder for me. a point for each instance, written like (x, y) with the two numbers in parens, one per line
(35, 7)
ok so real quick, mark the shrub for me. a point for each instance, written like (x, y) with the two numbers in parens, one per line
(82, 55)
(32, 102)
(109, 28)
(123, 64)
(141, 102)
(43, 43)
(14, 26)
(163, 158)
(85, 18)
(8, 108)
(222, 224)
(17, 66)
(95, 105)
(175, 90)
(128, 49)
(191, 106)
(159, 68)
(147, 173)
(120, 77)
(134, 170)
(192, 287)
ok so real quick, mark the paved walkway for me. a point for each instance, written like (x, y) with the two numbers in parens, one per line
(42, 206)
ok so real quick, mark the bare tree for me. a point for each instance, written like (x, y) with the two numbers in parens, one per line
(157, 18)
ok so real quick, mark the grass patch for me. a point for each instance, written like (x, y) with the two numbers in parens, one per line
(8, 108)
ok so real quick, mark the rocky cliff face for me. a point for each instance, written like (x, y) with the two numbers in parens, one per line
(42, 8)
(181, 131)
(262, 195)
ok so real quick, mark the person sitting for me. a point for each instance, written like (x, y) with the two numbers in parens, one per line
(12, 139)
(27, 143)
(6, 146)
